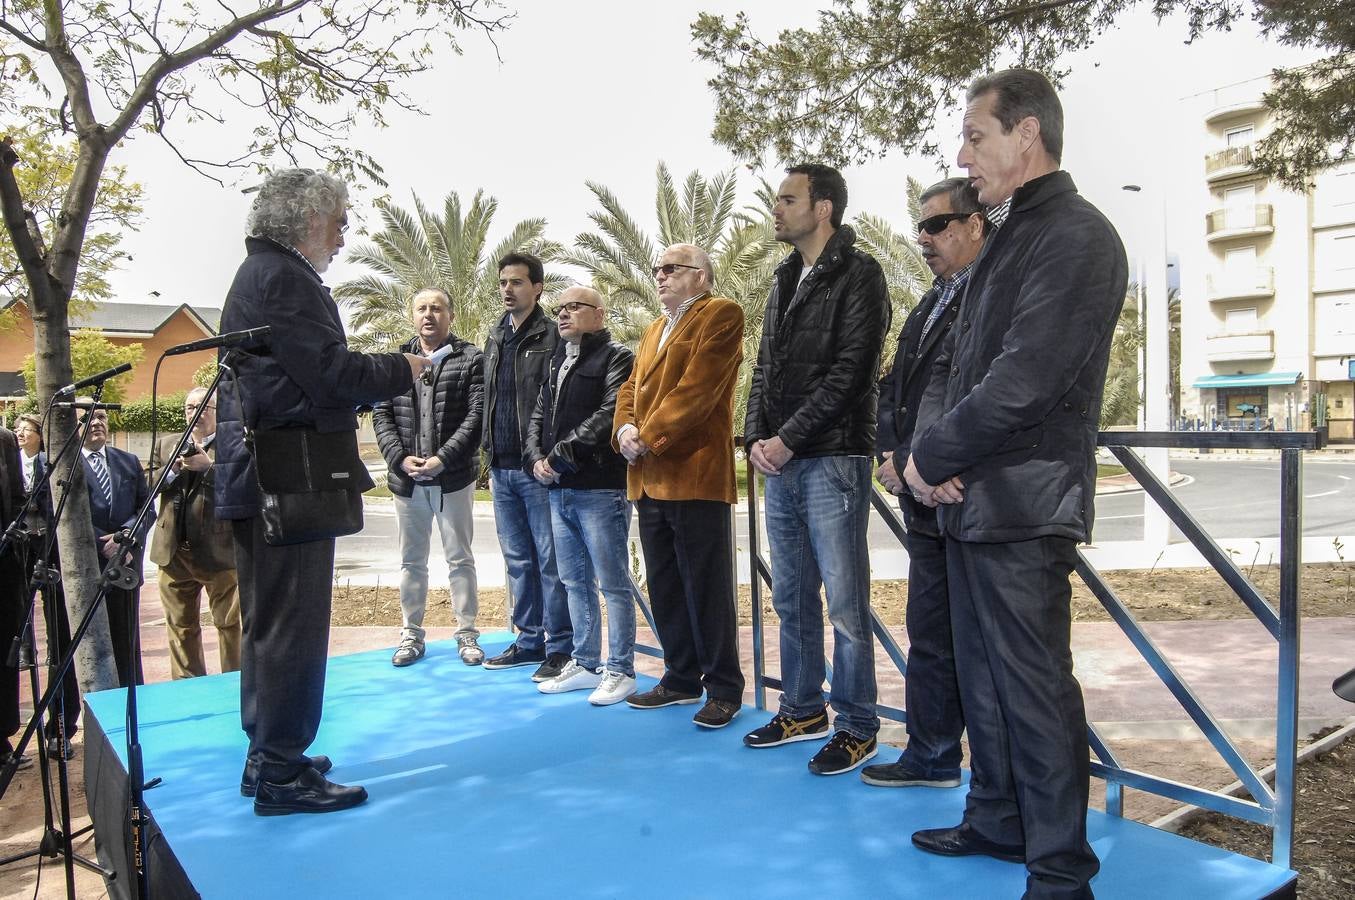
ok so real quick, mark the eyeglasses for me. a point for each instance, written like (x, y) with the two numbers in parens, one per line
(574, 306)
(196, 405)
(670, 268)
(343, 225)
(937, 224)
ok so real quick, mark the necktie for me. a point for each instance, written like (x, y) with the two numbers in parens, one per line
(96, 462)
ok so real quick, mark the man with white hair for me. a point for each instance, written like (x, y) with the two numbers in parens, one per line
(308, 380)
(674, 424)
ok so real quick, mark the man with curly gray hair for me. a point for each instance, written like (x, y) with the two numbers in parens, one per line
(311, 380)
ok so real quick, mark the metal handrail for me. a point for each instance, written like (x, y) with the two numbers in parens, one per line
(1272, 807)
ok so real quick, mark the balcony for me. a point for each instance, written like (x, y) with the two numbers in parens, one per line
(1255, 283)
(1228, 162)
(1240, 347)
(1239, 221)
(1234, 108)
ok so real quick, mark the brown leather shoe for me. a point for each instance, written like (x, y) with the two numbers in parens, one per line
(717, 713)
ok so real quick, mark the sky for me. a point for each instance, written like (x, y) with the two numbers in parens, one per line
(604, 90)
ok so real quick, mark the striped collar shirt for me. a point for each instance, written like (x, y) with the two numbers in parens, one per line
(998, 214)
(676, 315)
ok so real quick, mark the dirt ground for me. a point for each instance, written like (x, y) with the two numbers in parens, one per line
(1324, 843)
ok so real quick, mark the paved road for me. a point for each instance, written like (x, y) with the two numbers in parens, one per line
(1240, 499)
(1231, 498)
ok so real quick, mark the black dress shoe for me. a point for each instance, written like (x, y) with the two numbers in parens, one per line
(309, 792)
(965, 841)
(249, 779)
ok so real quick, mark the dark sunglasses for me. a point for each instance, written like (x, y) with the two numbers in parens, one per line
(670, 268)
(937, 224)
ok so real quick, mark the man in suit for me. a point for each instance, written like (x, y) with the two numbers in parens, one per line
(117, 489)
(950, 232)
(674, 426)
(11, 590)
(1005, 445)
(194, 549)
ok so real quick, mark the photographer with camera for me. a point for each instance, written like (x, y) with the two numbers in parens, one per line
(194, 549)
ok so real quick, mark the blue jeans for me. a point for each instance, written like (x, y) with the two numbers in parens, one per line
(522, 518)
(817, 512)
(592, 529)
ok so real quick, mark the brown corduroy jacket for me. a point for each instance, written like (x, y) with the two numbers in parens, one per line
(681, 398)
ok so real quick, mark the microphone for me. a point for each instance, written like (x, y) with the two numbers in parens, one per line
(249, 339)
(117, 407)
(94, 379)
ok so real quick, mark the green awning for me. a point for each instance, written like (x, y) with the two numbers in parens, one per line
(1259, 379)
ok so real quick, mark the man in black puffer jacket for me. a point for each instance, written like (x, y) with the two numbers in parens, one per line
(811, 430)
(430, 437)
(569, 450)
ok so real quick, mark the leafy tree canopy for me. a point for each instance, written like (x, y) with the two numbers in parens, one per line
(447, 251)
(874, 73)
(91, 353)
(43, 175)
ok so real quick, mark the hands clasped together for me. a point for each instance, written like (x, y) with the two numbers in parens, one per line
(949, 491)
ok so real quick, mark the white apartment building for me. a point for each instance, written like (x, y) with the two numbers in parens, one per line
(1268, 283)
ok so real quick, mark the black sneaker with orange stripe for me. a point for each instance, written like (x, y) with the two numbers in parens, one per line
(786, 730)
(842, 754)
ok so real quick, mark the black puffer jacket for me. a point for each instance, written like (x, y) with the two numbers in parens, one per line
(1015, 399)
(814, 384)
(458, 408)
(574, 431)
(534, 351)
(308, 377)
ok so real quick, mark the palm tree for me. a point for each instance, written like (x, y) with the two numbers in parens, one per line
(743, 248)
(906, 273)
(1120, 401)
(741, 242)
(414, 251)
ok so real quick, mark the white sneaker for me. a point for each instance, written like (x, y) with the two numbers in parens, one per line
(573, 677)
(613, 688)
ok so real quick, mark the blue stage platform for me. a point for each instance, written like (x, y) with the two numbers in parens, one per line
(480, 785)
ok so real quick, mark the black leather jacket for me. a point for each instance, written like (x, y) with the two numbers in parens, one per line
(814, 383)
(573, 431)
(534, 351)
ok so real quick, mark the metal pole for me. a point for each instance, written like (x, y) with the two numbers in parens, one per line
(1287, 699)
(755, 590)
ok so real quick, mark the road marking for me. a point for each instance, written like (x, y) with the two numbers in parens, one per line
(1109, 518)
(1343, 477)
(1323, 494)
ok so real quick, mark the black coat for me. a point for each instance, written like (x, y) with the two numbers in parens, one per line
(814, 382)
(573, 432)
(1015, 406)
(307, 377)
(901, 394)
(458, 408)
(534, 350)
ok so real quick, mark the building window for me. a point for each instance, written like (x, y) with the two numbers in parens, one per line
(1240, 321)
(1240, 136)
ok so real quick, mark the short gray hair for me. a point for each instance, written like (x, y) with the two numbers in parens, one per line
(287, 200)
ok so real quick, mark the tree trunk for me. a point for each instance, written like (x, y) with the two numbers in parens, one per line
(49, 300)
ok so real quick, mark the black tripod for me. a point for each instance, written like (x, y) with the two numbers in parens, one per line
(37, 545)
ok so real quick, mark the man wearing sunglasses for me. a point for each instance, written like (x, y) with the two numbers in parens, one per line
(810, 429)
(569, 451)
(950, 233)
(674, 424)
(1005, 446)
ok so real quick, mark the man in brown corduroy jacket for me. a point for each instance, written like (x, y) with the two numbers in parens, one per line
(674, 425)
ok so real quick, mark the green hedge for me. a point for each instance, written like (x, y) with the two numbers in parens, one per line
(136, 416)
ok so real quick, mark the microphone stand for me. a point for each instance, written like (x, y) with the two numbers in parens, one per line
(53, 841)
